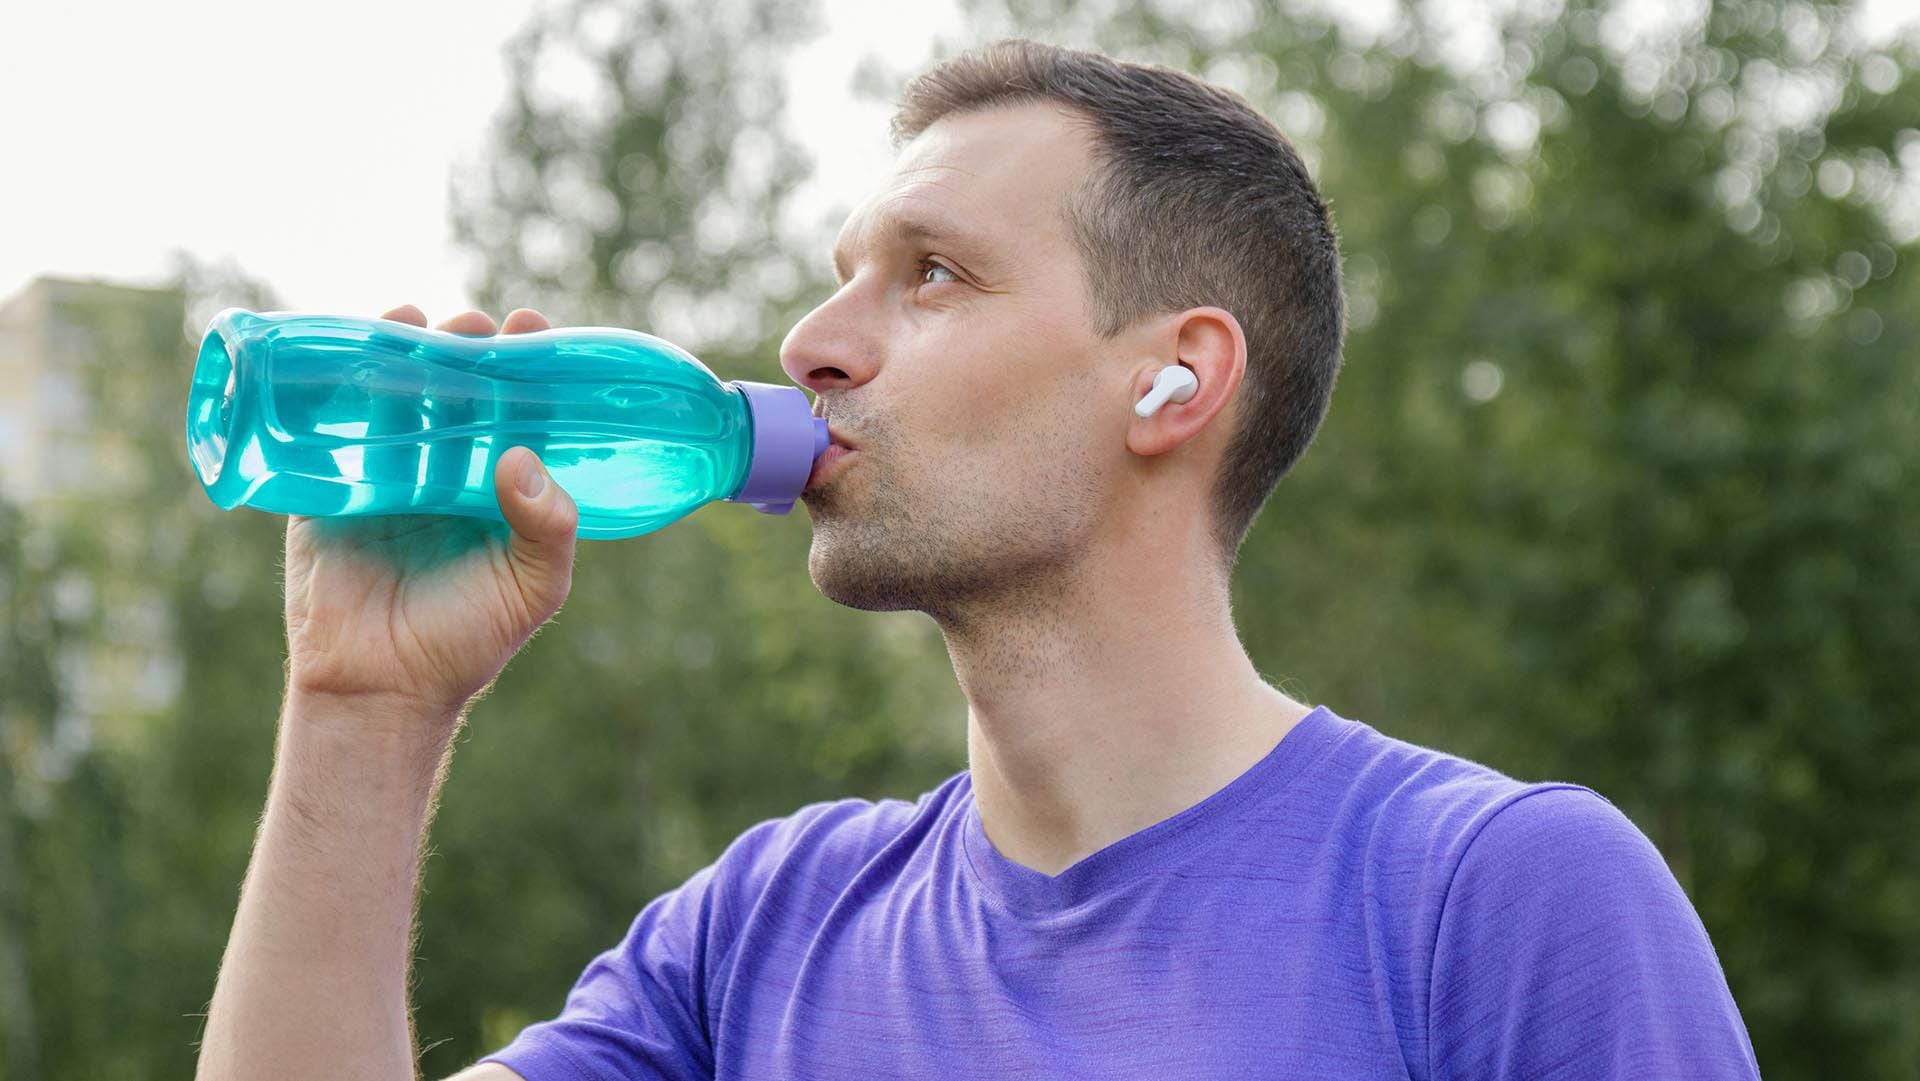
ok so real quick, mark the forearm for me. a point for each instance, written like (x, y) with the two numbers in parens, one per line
(314, 982)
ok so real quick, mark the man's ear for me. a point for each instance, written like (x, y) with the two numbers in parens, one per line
(1210, 343)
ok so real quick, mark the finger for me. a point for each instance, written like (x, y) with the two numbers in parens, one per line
(407, 313)
(524, 320)
(545, 525)
(474, 323)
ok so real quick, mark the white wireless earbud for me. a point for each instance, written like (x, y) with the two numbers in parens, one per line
(1175, 382)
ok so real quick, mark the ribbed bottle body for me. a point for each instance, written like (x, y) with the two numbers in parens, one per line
(339, 415)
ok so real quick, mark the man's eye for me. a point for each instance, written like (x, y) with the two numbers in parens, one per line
(928, 266)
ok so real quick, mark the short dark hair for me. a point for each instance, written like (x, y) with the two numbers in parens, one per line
(1198, 200)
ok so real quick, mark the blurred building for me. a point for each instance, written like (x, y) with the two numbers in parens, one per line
(89, 372)
(59, 340)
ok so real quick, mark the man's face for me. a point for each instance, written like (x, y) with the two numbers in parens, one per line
(957, 357)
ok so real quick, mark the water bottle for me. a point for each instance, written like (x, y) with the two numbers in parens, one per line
(343, 415)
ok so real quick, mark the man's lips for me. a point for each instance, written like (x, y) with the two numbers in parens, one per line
(839, 447)
(824, 465)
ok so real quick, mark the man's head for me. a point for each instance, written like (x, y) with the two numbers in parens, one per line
(1058, 227)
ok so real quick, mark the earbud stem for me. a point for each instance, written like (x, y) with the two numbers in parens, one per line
(1175, 382)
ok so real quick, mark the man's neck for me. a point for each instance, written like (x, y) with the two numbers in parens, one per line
(1106, 707)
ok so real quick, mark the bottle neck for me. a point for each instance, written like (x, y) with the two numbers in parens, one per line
(787, 437)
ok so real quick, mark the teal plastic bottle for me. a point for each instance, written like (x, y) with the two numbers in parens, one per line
(342, 415)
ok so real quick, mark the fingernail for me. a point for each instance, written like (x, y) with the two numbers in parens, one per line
(533, 479)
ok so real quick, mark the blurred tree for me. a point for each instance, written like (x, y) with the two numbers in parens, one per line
(1614, 486)
(129, 817)
(29, 700)
(639, 168)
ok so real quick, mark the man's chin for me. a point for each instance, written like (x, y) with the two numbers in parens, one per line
(849, 574)
(861, 595)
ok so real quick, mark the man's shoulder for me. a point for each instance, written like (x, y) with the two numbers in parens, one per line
(1467, 854)
(1414, 806)
(830, 840)
(1412, 792)
(1558, 918)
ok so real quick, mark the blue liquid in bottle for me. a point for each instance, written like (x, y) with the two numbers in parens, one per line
(342, 415)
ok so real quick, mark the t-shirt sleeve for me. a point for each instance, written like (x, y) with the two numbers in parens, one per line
(639, 1011)
(1567, 950)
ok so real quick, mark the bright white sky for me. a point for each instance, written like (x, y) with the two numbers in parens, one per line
(134, 127)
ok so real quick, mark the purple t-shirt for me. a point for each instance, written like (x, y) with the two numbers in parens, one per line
(1352, 906)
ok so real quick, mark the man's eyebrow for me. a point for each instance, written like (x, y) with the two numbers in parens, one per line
(907, 229)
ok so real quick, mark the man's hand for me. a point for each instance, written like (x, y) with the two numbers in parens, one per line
(416, 614)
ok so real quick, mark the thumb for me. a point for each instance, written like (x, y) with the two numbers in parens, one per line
(544, 520)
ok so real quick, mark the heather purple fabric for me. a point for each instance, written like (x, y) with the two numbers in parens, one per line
(1353, 906)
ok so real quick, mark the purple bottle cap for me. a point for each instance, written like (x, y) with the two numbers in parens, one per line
(787, 437)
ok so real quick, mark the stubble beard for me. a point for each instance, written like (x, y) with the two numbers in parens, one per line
(886, 549)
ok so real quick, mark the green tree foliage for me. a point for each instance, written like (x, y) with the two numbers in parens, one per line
(137, 694)
(29, 702)
(1614, 488)
(638, 171)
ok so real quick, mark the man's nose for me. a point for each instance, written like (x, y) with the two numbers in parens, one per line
(833, 348)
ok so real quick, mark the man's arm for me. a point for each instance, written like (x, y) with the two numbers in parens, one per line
(314, 983)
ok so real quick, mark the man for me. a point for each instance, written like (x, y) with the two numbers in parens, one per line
(1156, 865)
